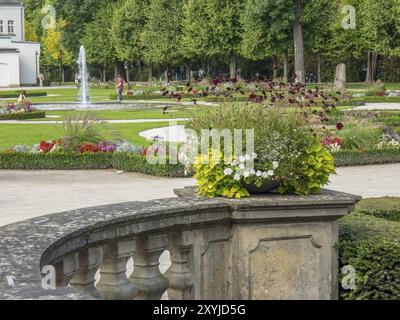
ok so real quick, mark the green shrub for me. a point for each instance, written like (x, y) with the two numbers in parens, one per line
(372, 246)
(359, 133)
(55, 161)
(312, 172)
(386, 208)
(16, 94)
(136, 163)
(347, 158)
(23, 116)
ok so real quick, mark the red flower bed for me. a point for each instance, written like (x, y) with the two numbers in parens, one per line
(89, 148)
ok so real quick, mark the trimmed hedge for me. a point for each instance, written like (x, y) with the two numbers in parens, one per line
(76, 161)
(369, 157)
(376, 99)
(136, 163)
(23, 116)
(386, 208)
(372, 246)
(16, 94)
(55, 161)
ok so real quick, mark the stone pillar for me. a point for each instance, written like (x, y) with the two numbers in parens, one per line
(65, 270)
(114, 284)
(180, 273)
(146, 276)
(286, 254)
(88, 262)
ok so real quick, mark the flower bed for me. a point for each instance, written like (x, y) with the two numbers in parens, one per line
(19, 111)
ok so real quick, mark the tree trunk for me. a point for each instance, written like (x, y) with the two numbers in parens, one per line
(127, 73)
(104, 74)
(372, 64)
(274, 71)
(61, 74)
(375, 57)
(115, 71)
(319, 69)
(299, 44)
(150, 73)
(232, 66)
(166, 75)
(285, 65)
(188, 72)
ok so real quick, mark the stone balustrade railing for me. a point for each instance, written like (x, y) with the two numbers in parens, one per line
(264, 247)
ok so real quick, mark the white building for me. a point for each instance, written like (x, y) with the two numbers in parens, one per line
(19, 59)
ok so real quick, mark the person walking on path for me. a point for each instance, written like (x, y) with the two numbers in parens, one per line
(120, 87)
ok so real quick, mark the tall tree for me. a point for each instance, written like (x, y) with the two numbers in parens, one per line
(162, 33)
(267, 30)
(55, 54)
(97, 39)
(128, 24)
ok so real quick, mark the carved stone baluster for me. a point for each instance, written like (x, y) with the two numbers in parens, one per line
(180, 272)
(88, 262)
(114, 284)
(146, 275)
(65, 270)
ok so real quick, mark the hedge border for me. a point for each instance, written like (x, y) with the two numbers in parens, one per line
(23, 116)
(16, 94)
(136, 163)
(369, 157)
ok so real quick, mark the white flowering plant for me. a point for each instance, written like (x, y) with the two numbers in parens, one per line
(287, 153)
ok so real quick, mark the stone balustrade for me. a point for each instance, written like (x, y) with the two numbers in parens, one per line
(264, 247)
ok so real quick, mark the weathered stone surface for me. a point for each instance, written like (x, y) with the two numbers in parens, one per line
(340, 79)
(232, 248)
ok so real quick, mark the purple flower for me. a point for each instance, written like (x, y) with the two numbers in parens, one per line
(106, 146)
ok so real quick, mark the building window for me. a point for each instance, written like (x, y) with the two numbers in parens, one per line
(11, 26)
(1, 26)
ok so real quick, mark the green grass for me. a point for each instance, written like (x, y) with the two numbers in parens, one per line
(123, 114)
(31, 134)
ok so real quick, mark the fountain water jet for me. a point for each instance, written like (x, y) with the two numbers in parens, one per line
(83, 76)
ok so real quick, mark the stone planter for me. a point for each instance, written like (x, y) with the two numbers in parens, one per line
(267, 187)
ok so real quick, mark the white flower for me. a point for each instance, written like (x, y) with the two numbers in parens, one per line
(241, 166)
(242, 159)
(237, 177)
(228, 172)
(248, 157)
(252, 172)
(275, 165)
(258, 173)
(270, 173)
(234, 163)
(246, 174)
(255, 155)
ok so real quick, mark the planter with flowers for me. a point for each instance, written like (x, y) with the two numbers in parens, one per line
(288, 155)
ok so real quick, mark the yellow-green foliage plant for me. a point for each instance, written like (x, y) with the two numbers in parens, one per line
(212, 180)
(312, 173)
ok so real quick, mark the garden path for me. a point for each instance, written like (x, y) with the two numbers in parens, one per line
(379, 107)
(29, 194)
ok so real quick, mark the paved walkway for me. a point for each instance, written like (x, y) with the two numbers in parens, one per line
(108, 121)
(379, 107)
(28, 194)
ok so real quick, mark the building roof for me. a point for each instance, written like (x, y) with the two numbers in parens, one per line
(10, 3)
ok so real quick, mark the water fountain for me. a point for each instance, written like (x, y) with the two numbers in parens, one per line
(83, 77)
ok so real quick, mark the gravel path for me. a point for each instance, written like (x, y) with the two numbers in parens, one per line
(28, 194)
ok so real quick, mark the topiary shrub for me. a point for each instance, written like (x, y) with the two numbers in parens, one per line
(372, 246)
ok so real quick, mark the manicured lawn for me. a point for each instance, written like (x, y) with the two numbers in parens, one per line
(31, 134)
(125, 114)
